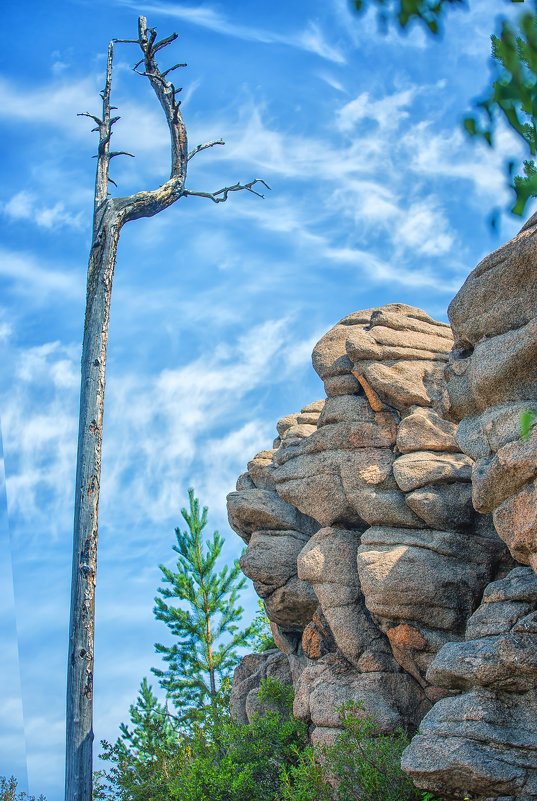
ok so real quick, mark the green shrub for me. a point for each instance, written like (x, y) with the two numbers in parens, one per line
(216, 759)
(362, 765)
(307, 780)
(235, 762)
(8, 789)
(264, 640)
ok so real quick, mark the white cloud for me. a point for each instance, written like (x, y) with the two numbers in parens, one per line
(154, 427)
(453, 156)
(424, 229)
(28, 206)
(6, 330)
(39, 427)
(253, 141)
(332, 81)
(56, 104)
(388, 112)
(31, 277)
(311, 39)
(379, 271)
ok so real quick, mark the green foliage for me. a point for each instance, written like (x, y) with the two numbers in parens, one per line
(218, 759)
(427, 12)
(527, 420)
(152, 728)
(362, 765)
(199, 657)
(245, 762)
(8, 791)
(215, 759)
(143, 757)
(513, 98)
(264, 640)
(307, 780)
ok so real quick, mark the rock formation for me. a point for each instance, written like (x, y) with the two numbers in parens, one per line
(484, 740)
(361, 535)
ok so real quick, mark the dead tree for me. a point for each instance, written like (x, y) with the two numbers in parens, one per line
(109, 216)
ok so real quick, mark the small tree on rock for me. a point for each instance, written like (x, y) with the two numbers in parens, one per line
(205, 624)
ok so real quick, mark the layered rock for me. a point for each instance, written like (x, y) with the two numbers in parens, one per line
(361, 535)
(492, 379)
(276, 532)
(484, 741)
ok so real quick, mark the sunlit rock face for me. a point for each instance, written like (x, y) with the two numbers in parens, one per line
(361, 535)
(492, 378)
(275, 532)
(483, 741)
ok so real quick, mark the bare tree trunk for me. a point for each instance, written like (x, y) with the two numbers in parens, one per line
(110, 214)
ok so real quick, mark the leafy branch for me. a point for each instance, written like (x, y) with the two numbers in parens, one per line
(427, 12)
(513, 98)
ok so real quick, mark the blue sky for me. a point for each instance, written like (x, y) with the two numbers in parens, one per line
(377, 197)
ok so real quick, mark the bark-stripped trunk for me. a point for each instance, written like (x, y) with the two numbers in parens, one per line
(79, 729)
(109, 216)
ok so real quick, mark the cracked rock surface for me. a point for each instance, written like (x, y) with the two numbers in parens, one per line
(483, 739)
(362, 539)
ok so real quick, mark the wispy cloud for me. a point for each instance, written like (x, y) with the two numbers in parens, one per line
(56, 104)
(332, 81)
(12, 741)
(388, 112)
(28, 206)
(40, 439)
(32, 277)
(179, 407)
(379, 271)
(311, 39)
(424, 229)
(6, 330)
(150, 446)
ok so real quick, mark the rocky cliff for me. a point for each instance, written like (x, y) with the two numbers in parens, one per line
(377, 532)
(484, 740)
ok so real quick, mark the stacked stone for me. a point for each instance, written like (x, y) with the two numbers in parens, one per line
(492, 379)
(371, 558)
(484, 741)
(276, 532)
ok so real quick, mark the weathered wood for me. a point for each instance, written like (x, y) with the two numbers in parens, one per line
(109, 216)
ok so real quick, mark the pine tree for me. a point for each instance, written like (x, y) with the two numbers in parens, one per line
(204, 625)
(144, 758)
(152, 729)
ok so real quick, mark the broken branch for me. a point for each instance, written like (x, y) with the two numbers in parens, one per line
(204, 147)
(214, 196)
(171, 69)
(165, 42)
(93, 117)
